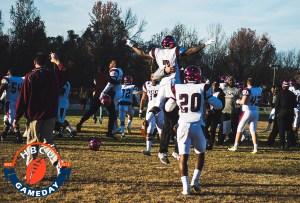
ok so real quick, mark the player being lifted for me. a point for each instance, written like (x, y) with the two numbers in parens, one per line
(125, 104)
(12, 84)
(168, 72)
(150, 90)
(190, 98)
(250, 101)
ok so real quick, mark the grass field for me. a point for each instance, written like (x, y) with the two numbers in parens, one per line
(119, 172)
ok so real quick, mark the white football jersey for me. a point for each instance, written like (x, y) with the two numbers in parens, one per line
(63, 99)
(297, 93)
(127, 95)
(170, 57)
(14, 85)
(253, 97)
(116, 75)
(151, 91)
(190, 99)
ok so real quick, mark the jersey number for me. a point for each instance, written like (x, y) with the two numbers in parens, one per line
(126, 93)
(195, 102)
(15, 86)
(255, 100)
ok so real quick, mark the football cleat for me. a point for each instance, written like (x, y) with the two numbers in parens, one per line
(111, 136)
(254, 152)
(18, 138)
(146, 152)
(163, 158)
(3, 136)
(186, 191)
(115, 131)
(72, 134)
(128, 131)
(232, 149)
(176, 156)
(78, 127)
(196, 188)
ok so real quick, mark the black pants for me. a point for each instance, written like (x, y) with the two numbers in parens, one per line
(170, 120)
(94, 106)
(285, 125)
(212, 121)
(274, 132)
(112, 117)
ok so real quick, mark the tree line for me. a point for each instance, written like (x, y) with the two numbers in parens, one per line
(245, 53)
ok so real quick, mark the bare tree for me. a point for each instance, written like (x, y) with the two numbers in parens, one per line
(1, 23)
(215, 54)
(251, 55)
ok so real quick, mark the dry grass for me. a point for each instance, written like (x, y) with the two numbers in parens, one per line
(119, 172)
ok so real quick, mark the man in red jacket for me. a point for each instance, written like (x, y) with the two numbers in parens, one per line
(38, 101)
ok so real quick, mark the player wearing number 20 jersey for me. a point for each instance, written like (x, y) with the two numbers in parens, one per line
(190, 98)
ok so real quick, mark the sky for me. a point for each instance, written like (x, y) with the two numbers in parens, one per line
(280, 19)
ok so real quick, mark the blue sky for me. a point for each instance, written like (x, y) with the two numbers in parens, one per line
(279, 18)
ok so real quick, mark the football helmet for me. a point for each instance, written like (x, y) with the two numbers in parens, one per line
(192, 74)
(240, 85)
(94, 143)
(223, 78)
(169, 42)
(128, 80)
(292, 82)
(105, 100)
(285, 84)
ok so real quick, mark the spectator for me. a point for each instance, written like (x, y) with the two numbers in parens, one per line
(83, 96)
(284, 110)
(38, 101)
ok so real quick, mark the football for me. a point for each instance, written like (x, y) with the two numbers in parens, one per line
(35, 171)
(94, 143)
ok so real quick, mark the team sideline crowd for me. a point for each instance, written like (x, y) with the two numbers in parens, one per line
(181, 106)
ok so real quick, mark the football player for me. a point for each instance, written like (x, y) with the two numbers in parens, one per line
(190, 98)
(150, 91)
(293, 87)
(231, 112)
(168, 72)
(249, 101)
(114, 90)
(12, 84)
(63, 105)
(125, 104)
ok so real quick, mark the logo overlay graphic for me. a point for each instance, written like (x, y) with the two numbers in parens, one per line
(36, 169)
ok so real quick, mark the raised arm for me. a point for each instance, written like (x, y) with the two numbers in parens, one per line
(140, 52)
(196, 49)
